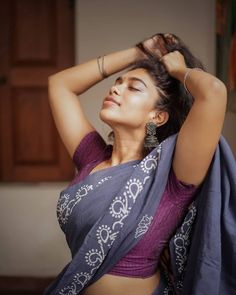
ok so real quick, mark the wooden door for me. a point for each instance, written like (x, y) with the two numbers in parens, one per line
(36, 40)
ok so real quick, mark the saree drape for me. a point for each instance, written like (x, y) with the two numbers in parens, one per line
(203, 250)
(106, 214)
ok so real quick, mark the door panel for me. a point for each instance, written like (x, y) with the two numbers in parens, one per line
(37, 39)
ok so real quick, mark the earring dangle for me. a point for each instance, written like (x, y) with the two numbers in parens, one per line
(151, 140)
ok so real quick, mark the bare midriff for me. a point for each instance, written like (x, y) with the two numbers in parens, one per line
(118, 285)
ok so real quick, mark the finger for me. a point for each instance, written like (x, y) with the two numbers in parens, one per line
(160, 44)
(170, 39)
(174, 55)
(162, 59)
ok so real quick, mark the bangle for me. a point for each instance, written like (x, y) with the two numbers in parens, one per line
(101, 67)
(104, 73)
(186, 76)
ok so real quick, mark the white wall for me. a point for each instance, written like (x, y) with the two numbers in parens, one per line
(31, 240)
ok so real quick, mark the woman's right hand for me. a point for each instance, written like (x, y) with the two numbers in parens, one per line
(156, 46)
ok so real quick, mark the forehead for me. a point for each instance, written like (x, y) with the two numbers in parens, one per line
(141, 74)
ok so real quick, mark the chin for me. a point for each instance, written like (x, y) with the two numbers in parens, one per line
(113, 119)
(107, 117)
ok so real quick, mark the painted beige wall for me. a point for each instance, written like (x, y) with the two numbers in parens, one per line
(31, 240)
(104, 26)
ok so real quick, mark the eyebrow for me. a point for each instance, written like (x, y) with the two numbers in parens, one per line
(132, 79)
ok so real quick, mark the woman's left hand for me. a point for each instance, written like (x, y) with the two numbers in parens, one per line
(174, 63)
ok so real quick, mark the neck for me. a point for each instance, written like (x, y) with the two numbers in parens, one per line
(127, 147)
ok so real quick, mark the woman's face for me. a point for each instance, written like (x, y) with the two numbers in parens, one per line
(131, 100)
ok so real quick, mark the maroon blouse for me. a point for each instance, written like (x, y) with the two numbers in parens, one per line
(142, 260)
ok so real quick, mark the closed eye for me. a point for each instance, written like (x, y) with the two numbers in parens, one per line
(131, 80)
(133, 88)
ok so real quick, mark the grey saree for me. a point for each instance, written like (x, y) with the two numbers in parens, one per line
(106, 214)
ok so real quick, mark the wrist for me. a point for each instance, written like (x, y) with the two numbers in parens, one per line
(141, 51)
(186, 76)
(180, 74)
(139, 54)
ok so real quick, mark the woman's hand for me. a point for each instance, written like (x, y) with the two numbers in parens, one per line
(175, 64)
(157, 47)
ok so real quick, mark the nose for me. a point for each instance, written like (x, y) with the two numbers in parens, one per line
(115, 89)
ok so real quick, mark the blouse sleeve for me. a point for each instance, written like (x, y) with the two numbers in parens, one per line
(91, 148)
(178, 189)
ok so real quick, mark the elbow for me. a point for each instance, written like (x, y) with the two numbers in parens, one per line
(219, 89)
(218, 84)
(54, 87)
(217, 92)
(55, 82)
(59, 81)
(52, 80)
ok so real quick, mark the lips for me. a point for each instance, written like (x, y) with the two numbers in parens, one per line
(111, 99)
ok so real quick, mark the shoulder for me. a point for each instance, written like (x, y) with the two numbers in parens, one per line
(91, 148)
(177, 192)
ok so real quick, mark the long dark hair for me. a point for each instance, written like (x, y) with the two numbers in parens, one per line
(173, 97)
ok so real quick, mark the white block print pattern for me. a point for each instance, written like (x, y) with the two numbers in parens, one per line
(106, 232)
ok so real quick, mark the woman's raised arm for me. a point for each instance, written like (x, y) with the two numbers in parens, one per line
(65, 86)
(200, 133)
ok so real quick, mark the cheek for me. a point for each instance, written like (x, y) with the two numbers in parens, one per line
(134, 114)
(133, 111)
(137, 104)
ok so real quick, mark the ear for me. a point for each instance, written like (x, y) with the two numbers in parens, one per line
(159, 117)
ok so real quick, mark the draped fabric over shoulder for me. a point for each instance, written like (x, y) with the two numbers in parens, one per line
(203, 249)
(107, 213)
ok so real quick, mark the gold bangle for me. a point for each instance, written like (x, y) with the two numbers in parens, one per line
(186, 76)
(104, 73)
(101, 67)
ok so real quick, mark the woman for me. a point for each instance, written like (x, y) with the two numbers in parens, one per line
(126, 201)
